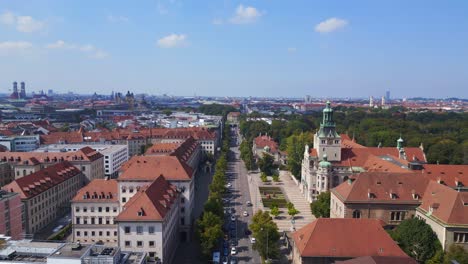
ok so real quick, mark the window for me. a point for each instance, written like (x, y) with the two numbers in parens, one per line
(139, 243)
(182, 221)
(115, 233)
(114, 209)
(182, 210)
(93, 233)
(100, 220)
(99, 209)
(85, 209)
(93, 221)
(77, 220)
(108, 233)
(127, 243)
(83, 168)
(139, 230)
(460, 237)
(397, 216)
(127, 230)
(77, 209)
(124, 199)
(151, 229)
(151, 243)
(107, 209)
(86, 233)
(92, 209)
(182, 200)
(356, 214)
(78, 233)
(100, 233)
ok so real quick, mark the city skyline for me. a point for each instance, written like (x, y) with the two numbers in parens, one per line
(237, 48)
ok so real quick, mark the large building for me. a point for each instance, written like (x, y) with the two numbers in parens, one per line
(114, 155)
(89, 161)
(334, 158)
(140, 171)
(11, 215)
(329, 240)
(94, 209)
(20, 143)
(188, 151)
(390, 197)
(149, 221)
(446, 210)
(46, 194)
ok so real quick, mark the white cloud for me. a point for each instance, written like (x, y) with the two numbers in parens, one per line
(245, 15)
(330, 25)
(292, 50)
(217, 21)
(88, 49)
(117, 19)
(172, 40)
(26, 24)
(10, 47)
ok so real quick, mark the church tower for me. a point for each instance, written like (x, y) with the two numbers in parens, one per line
(326, 140)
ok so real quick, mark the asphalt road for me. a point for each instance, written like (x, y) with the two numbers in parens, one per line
(238, 196)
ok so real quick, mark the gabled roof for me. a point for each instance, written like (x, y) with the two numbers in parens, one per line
(58, 137)
(383, 187)
(151, 203)
(148, 168)
(345, 238)
(84, 154)
(39, 182)
(266, 141)
(98, 190)
(445, 204)
(378, 260)
(182, 150)
(450, 175)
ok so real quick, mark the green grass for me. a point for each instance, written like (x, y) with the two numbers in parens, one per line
(276, 197)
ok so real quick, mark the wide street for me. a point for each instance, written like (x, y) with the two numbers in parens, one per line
(238, 196)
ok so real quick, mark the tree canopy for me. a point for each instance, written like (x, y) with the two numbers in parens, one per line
(264, 229)
(321, 207)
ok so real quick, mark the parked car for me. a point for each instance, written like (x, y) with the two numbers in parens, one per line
(245, 213)
(233, 260)
(233, 218)
(225, 251)
(225, 260)
(248, 203)
(233, 242)
(253, 240)
(233, 251)
(247, 232)
(232, 225)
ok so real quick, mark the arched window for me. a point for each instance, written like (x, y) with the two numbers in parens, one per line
(356, 214)
(24, 172)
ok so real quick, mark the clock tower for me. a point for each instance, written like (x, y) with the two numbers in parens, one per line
(326, 140)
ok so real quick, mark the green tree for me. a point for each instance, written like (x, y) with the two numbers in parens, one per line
(214, 205)
(417, 239)
(266, 164)
(292, 211)
(167, 112)
(208, 231)
(264, 229)
(321, 207)
(274, 211)
(263, 177)
(456, 252)
(295, 148)
(275, 177)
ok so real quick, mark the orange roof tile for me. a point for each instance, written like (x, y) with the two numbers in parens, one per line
(266, 141)
(345, 238)
(98, 190)
(149, 168)
(448, 205)
(85, 154)
(378, 260)
(151, 203)
(450, 175)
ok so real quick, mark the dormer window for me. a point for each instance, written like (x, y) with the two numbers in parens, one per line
(141, 212)
(415, 196)
(393, 195)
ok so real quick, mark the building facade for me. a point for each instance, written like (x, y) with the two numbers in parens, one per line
(11, 215)
(46, 194)
(20, 143)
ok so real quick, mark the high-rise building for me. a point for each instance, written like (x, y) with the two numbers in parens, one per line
(371, 101)
(15, 94)
(387, 96)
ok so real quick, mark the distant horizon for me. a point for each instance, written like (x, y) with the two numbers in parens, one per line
(230, 48)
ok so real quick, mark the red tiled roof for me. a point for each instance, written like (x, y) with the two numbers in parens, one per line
(450, 175)
(381, 185)
(58, 137)
(162, 148)
(98, 190)
(38, 182)
(85, 154)
(448, 205)
(148, 168)
(266, 141)
(412, 153)
(345, 237)
(378, 260)
(151, 203)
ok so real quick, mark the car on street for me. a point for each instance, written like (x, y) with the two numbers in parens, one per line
(234, 242)
(233, 251)
(233, 260)
(253, 240)
(248, 203)
(225, 251)
(232, 225)
(229, 185)
(233, 218)
(233, 233)
(233, 211)
(225, 260)
(247, 232)
(245, 213)
(225, 244)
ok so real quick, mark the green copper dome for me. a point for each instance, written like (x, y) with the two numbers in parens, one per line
(325, 163)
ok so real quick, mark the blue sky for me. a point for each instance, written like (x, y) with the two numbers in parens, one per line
(237, 48)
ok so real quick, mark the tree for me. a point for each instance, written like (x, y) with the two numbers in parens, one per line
(263, 177)
(266, 164)
(292, 211)
(417, 239)
(167, 112)
(209, 231)
(321, 207)
(295, 146)
(275, 177)
(274, 211)
(456, 252)
(266, 234)
(214, 205)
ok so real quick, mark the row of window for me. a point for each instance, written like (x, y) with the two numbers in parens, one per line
(394, 215)
(93, 221)
(460, 237)
(139, 243)
(139, 230)
(99, 209)
(93, 233)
